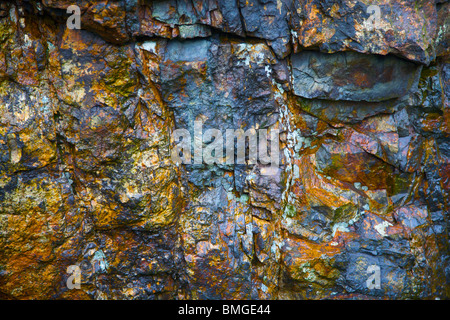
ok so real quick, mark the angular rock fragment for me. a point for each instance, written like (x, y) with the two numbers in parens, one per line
(352, 76)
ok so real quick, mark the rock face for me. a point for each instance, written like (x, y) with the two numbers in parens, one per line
(357, 208)
(352, 76)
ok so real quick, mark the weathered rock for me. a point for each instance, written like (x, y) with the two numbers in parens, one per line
(443, 33)
(88, 120)
(352, 76)
(413, 30)
(403, 28)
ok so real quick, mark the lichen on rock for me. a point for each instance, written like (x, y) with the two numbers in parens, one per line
(87, 125)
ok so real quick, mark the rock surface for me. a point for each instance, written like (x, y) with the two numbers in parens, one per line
(87, 124)
(352, 76)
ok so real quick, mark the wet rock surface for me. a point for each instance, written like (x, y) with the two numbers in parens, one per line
(87, 125)
(352, 76)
